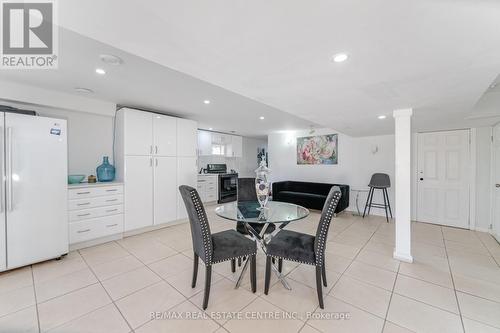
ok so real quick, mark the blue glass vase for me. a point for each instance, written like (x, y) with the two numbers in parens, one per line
(105, 171)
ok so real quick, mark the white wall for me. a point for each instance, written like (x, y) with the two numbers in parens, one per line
(90, 122)
(356, 162)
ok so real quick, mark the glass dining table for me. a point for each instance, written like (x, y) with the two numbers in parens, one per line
(249, 212)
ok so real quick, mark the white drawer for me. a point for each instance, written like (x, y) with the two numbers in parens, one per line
(95, 202)
(211, 182)
(85, 214)
(89, 192)
(95, 228)
(210, 197)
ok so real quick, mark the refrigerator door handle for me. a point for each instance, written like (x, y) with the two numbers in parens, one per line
(8, 173)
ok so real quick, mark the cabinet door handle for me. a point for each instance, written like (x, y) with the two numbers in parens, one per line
(156, 149)
(151, 149)
(112, 190)
(82, 215)
(156, 162)
(151, 162)
(111, 210)
(80, 193)
(82, 231)
(111, 225)
(111, 200)
(83, 204)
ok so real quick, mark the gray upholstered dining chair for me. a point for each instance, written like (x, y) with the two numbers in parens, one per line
(247, 192)
(379, 181)
(304, 248)
(214, 248)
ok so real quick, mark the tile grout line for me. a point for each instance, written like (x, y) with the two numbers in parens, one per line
(107, 293)
(487, 249)
(162, 279)
(342, 274)
(390, 298)
(453, 282)
(36, 302)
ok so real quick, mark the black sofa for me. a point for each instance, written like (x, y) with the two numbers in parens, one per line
(309, 195)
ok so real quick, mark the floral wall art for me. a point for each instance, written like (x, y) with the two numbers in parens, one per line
(320, 149)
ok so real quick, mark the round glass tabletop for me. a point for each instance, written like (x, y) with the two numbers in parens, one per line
(274, 212)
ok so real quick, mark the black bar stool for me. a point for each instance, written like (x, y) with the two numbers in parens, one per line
(379, 181)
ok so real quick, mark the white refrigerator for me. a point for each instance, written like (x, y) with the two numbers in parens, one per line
(33, 189)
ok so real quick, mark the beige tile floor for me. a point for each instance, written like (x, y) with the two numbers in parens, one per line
(453, 286)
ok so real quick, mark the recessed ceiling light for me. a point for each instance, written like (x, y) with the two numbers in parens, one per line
(382, 116)
(111, 59)
(83, 90)
(261, 117)
(100, 71)
(210, 129)
(340, 57)
(206, 101)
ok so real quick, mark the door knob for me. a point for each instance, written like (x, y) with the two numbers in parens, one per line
(497, 185)
(421, 179)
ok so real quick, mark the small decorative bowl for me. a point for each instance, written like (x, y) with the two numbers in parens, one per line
(75, 179)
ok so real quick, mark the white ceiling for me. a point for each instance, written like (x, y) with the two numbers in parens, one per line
(144, 84)
(437, 56)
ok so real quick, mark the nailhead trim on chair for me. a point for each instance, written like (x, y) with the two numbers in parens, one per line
(321, 237)
(207, 240)
(288, 259)
(226, 259)
(324, 225)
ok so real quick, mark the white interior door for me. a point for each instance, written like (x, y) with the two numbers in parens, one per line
(165, 135)
(36, 173)
(165, 189)
(138, 192)
(186, 175)
(3, 240)
(496, 178)
(443, 178)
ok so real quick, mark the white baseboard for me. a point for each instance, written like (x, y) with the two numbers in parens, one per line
(403, 257)
(487, 230)
(93, 242)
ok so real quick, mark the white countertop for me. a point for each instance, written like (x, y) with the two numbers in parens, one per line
(98, 184)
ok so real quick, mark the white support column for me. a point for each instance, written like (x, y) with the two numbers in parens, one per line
(402, 119)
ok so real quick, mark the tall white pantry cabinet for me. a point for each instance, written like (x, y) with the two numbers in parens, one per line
(155, 154)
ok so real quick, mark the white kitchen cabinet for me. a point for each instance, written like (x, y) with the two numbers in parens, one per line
(152, 174)
(186, 137)
(94, 211)
(230, 145)
(234, 146)
(204, 143)
(138, 192)
(137, 132)
(165, 189)
(164, 135)
(186, 175)
(207, 187)
(237, 145)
